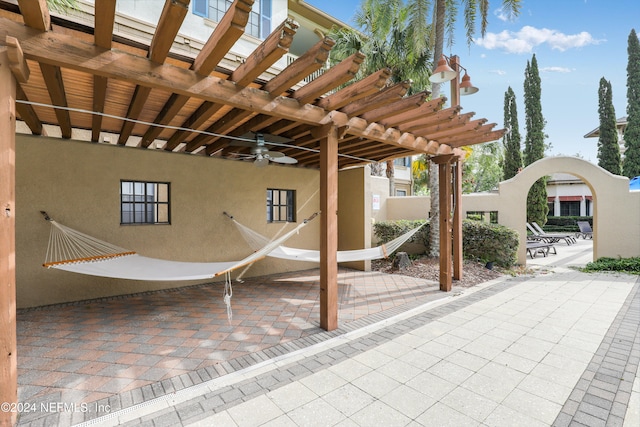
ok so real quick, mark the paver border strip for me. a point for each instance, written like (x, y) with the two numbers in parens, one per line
(601, 396)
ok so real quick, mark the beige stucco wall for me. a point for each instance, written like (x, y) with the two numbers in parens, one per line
(380, 189)
(616, 209)
(77, 183)
(354, 211)
(616, 217)
(408, 207)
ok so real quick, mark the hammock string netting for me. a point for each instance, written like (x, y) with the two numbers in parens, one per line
(256, 240)
(71, 250)
(67, 245)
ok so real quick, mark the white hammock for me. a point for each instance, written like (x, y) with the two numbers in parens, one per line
(256, 240)
(73, 251)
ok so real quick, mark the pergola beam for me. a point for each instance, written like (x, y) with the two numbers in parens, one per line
(225, 35)
(171, 18)
(313, 60)
(377, 100)
(27, 113)
(265, 55)
(103, 37)
(458, 120)
(358, 90)
(35, 14)
(52, 75)
(398, 115)
(332, 78)
(104, 21)
(173, 13)
(427, 118)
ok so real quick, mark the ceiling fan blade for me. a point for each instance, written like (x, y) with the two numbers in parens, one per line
(285, 160)
(273, 154)
(235, 155)
(261, 162)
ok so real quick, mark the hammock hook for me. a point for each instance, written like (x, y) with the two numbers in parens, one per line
(46, 216)
(311, 217)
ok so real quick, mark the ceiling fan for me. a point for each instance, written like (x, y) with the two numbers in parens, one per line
(259, 152)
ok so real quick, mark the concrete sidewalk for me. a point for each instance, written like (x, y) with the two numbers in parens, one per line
(558, 348)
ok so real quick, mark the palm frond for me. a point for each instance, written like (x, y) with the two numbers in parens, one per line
(62, 6)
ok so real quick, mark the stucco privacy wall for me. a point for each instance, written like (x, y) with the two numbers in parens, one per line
(354, 211)
(78, 184)
(616, 209)
(616, 215)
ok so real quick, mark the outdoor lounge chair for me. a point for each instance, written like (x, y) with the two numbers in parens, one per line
(540, 234)
(585, 230)
(535, 247)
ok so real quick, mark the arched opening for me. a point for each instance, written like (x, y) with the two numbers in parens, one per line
(614, 208)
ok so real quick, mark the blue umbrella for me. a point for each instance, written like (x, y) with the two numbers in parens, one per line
(634, 184)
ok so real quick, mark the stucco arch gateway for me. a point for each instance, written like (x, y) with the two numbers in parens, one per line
(616, 215)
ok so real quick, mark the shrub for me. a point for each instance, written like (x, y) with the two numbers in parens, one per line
(480, 240)
(565, 224)
(490, 242)
(626, 265)
(386, 231)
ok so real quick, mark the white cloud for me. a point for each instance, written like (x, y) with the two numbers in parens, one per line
(499, 72)
(555, 70)
(525, 40)
(501, 15)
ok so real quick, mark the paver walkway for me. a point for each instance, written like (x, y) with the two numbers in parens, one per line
(560, 348)
(528, 353)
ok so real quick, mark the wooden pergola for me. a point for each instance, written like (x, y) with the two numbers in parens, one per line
(152, 98)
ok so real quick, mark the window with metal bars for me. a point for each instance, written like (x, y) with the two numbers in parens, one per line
(144, 202)
(281, 205)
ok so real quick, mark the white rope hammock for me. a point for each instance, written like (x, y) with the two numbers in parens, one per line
(256, 240)
(71, 250)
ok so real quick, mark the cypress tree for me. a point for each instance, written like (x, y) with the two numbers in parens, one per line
(631, 162)
(537, 207)
(511, 140)
(608, 148)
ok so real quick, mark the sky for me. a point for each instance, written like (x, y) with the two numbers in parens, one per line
(576, 43)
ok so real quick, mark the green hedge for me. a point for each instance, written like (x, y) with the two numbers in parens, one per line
(480, 240)
(567, 224)
(490, 242)
(626, 265)
(386, 231)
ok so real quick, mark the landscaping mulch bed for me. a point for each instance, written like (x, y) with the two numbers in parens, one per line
(428, 268)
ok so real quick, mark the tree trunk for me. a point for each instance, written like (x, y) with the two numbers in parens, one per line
(434, 219)
(433, 175)
(391, 176)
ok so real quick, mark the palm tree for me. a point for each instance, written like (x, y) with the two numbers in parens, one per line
(385, 34)
(444, 19)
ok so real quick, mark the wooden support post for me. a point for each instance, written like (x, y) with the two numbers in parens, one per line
(455, 83)
(444, 170)
(8, 345)
(329, 230)
(457, 219)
